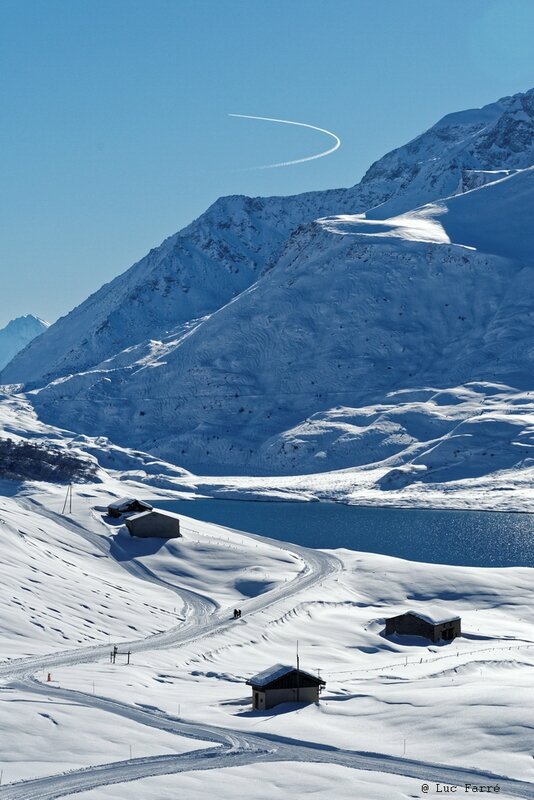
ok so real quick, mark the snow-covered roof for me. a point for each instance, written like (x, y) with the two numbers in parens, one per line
(158, 512)
(124, 502)
(275, 672)
(433, 615)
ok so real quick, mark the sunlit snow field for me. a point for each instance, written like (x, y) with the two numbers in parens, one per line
(445, 703)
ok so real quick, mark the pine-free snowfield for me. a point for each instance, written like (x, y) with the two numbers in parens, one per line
(395, 714)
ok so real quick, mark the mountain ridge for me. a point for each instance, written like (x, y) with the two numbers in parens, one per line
(202, 267)
(336, 311)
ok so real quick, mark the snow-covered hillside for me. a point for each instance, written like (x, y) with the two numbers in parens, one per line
(75, 584)
(314, 333)
(72, 722)
(353, 310)
(17, 334)
(204, 266)
(189, 276)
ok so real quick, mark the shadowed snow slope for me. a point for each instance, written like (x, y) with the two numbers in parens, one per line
(238, 341)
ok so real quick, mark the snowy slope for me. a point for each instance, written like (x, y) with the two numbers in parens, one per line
(17, 334)
(389, 712)
(73, 584)
(462, 150)
(252, 340)
(190, 275)
(201, 268)
(495, 217)
(354, 309)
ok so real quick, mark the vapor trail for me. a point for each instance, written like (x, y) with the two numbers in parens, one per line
(301, 125)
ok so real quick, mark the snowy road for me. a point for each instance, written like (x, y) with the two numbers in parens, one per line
(234, 748)
(226, 747)
(202, 617)
(199, 621)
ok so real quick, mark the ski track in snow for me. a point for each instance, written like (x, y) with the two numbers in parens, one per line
(232, 748)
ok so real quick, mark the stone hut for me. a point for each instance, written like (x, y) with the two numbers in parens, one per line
(127, 505)
(155, 523)
(284, 684)
(434, 624)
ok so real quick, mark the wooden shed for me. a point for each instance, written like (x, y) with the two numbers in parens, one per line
(155, 523)
(127, 505)
(434, 624)
(284, 684)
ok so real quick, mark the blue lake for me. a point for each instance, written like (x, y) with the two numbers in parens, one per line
(465, 538)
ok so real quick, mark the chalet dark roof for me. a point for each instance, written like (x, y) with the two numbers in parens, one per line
(272, 674)
(124, 502)
(152, 512)
(433, 615)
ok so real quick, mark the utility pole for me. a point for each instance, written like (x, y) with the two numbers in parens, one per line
(68, 500)
(65, 503)
(298, 673)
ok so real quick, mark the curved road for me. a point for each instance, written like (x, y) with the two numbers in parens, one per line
(235, 748)
(202, 617)
(229, 747)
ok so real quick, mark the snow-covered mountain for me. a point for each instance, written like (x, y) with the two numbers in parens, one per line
(189, 276)
(17, 334)
(204, 266)
(316, 332)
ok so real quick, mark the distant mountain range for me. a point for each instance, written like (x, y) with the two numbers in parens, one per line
(388, 322)
(17, 334)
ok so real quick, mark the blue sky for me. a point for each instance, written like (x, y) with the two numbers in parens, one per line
(115, 129)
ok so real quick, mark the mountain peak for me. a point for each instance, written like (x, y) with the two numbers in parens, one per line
(17, 334)
(497, 136)
(26, 320)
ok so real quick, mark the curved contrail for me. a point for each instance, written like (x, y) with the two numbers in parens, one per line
(301, 125)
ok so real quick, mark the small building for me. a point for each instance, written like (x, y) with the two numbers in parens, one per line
(434, 624)
(154, 523)
(127, 505)
(283, 684)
